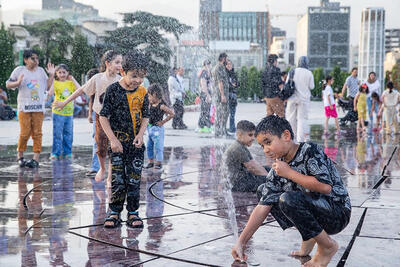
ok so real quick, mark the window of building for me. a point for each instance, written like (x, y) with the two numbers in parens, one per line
(291, 59)
(291, 46)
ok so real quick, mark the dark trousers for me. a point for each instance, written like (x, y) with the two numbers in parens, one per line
(177, 121)
(232, 112)
(221, 119)
(204, 120)
(126, 176)
(309, 215)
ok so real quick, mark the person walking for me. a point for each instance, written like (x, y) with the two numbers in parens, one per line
(233, 85)
(298, 104)
(221, 83)
(374, 86)
(271, 84)
(177, 95)
(32, 82)
(205, 97)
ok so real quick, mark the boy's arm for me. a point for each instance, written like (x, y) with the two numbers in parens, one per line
(257, 217)
(170, 114)
(355, 101)
(138, 141)
(255, 168)
(90, 109)
(114, 142)
(50, 93)
(72, 78)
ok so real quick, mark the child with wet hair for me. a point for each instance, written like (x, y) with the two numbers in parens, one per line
(124, 118)
(244, 173)
(303, 190)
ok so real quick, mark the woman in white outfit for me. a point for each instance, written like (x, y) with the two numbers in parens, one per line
(298, 104)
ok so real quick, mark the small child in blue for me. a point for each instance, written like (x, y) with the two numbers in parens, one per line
(155, 128)
(63, 86)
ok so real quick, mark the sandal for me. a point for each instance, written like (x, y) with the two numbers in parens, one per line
(116, 221)
(133, 216)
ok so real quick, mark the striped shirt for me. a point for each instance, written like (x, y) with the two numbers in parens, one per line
(352, 86)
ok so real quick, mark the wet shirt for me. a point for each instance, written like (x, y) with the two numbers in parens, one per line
(235, 156)
(31, 96)
(391, 99)
(156, 114)
(328, 94)
(97, 86)
(125, 109)
(62, 90)
(206, 76)
(220, 75)
(309, 160)
(352, 86)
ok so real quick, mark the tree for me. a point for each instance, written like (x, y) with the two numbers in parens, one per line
(339, 78)
(318, 81)
(243, 91)
(254, 82)
(83, 57)
(395, 76)
(145, 31)
(55, 37)
(7, 60)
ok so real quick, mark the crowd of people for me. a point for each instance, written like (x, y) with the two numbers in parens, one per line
(122, 107)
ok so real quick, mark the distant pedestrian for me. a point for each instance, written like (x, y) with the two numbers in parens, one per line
(351, 85)
(233, 86)
(6, 112)
(360, 105)
(374, 86)
(32, 82)
(299, 103)
(390, 99)
(377, 103)
(177, 95)
(329, 104)
(271, 84)
(63, 119)
(221, 85)
(205, 97)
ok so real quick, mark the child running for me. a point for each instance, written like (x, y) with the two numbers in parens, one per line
(360, 105)
(63, 86)
(97, 85)
(304, 190)
(155, 128)
(329, 104)
(390, 99)
(124, 117)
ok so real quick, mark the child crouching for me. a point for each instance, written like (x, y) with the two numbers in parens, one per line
(303, 190)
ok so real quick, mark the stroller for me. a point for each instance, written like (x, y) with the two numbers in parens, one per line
(351, 116)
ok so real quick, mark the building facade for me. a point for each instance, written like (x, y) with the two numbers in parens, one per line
(372, 43)
(215, 25)
(285, 49)
(323, 34)
(392, 39)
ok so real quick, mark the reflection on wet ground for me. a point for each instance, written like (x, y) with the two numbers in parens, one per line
(54, 216)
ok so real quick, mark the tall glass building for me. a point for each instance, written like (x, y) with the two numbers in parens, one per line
(372, 43)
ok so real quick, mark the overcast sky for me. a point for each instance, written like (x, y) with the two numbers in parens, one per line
(187, 10)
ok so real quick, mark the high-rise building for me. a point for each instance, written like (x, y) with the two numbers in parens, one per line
(323, 34)
(392, 39)
(216, 25)
(372, 39)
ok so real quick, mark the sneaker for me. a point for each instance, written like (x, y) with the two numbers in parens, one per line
(33, 164)
(149, 166)
(91, 173)
(158, 166)
(21, 162)
(204, 130)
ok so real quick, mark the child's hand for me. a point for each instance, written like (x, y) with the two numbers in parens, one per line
(58, 104)
(355, 108)
(330, 106)
(138, 141)
(116, 146)
(70, 77)
(90, 118)
(160, 123)
(281, 168)
(238, 252)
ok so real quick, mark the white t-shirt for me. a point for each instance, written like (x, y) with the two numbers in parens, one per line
(304, 81)
(328, 94)
(31, 96)
(374, 87)
(391, 99)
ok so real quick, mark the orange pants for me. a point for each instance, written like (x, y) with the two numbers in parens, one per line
(30, 124)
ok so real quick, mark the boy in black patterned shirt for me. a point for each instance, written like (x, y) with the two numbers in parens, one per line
(303, 190)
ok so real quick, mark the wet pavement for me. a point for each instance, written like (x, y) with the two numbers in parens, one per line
(54, 216)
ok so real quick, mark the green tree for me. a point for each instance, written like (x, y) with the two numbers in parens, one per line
(55, 37)
(243, 91)
(339, 78)
(395, 76)
(254, 82)
(318, 81)
(145, 31)
(83, 57)
(7, 60)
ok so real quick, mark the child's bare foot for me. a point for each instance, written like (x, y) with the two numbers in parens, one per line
(323, 255)
(305, 249)
(100, 175)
